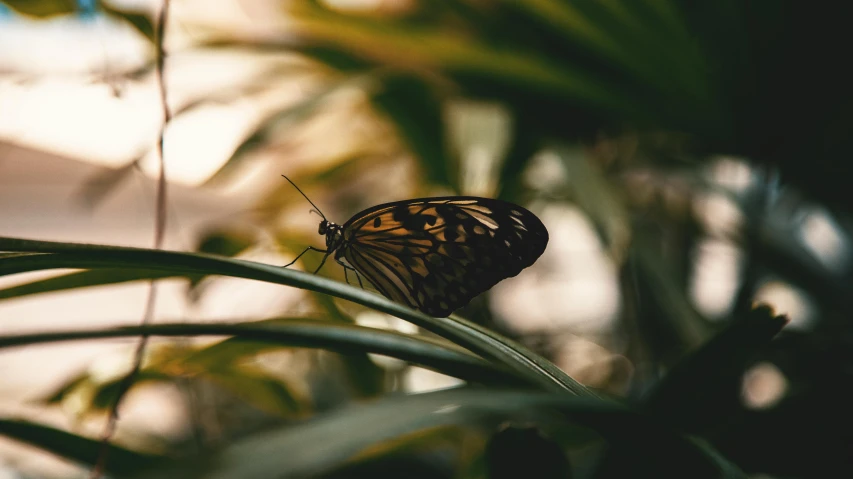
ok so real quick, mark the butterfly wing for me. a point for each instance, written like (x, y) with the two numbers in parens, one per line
(436, 254)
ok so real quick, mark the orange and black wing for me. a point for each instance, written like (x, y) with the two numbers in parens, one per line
(436, 254)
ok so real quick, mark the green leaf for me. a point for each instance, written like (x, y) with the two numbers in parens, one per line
(106, 392)
(76, 448)
(83, 279)
(703, 389)
(252, 338)
(417, 114)
(140, 21)
(507, 446)
(295, 451)
(489, 345)
(99, 185)
(596, 196)
(255, 386)
(647, 41)
(366, 378)
(399, 45)
(43, 8)
(222, 242)
(657, 277)
(525, 143)
(225, 242)
(258, 388)
(281, 120)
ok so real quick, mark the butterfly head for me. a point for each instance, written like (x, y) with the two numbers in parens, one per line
(332, 232)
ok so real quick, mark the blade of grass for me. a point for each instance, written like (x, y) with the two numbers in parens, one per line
(439, 356)
(75, 448)
(491, 346)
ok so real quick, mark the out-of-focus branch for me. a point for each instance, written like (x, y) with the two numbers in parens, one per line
(159, 233)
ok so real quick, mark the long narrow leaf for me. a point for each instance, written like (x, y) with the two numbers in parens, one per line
(318, 445)
(479, 340)
(82, 279)
(702, 390)
(338, 337)
(76, 448)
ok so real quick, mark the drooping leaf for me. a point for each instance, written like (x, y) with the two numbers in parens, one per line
(477, 339)
(76, 448)
(253, 338)
(703, 389)
(293, 451)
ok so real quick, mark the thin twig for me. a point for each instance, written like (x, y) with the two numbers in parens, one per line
(159, 233)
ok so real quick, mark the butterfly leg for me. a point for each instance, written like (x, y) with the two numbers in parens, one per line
(348, 267)
(310, 248)
(325, 256)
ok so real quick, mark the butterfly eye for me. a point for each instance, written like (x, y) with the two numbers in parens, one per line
(324, 226)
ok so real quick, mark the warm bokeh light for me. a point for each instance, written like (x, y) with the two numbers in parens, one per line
(763, 386)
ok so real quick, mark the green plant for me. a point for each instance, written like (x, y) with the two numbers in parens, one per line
(633, 102)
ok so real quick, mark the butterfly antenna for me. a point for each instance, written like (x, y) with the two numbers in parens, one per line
(306, 197)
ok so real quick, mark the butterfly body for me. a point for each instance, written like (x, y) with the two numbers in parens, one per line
(436, 254)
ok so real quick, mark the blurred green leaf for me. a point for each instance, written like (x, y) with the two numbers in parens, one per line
(477, 339)
(328, 304)
(416, 112)
(223, 242)
(252, 338)
(258, 388)
(106, 392)
(703, 389)
(140, 20)
(42, 8)
(658, 279)
(507, 446)
(412, 456)
(643, 38)
(525, 142)
(400, 46)
(83, 279)
(596, 196)
(76, 448)
(294, 451)
(98, 395)
(49, 8)
(282, 120)
(91, 396)
(96, 188)
(366, 377)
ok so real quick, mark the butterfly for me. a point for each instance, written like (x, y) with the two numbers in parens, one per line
(433, 254)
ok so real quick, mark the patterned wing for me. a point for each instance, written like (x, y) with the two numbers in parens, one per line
(436, 254)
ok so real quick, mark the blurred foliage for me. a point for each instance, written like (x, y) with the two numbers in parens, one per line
(637, 105)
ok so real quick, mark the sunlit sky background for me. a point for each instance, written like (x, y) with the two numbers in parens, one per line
(67, 113)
